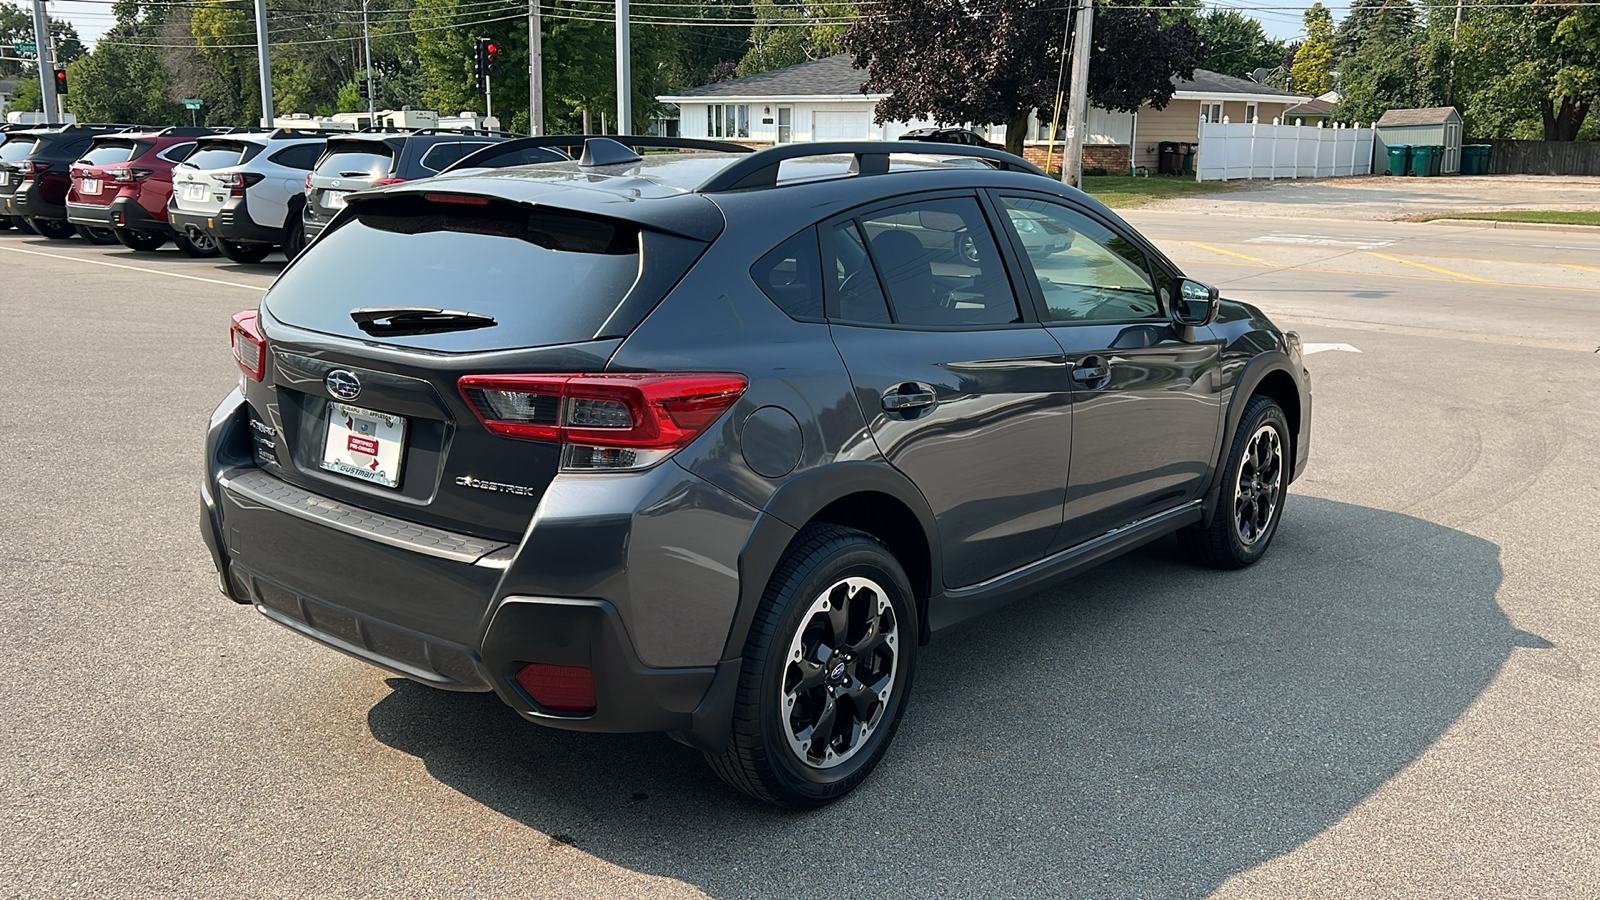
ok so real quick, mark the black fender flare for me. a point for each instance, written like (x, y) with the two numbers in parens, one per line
(1259, 367)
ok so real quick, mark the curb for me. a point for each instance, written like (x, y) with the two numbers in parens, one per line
(1529, 226)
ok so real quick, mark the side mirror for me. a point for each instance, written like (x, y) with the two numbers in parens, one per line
(1196, 305)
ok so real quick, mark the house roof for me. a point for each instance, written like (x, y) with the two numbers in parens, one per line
(1316, 106)
(1433, 115)
(831, 76)
(1206, 81)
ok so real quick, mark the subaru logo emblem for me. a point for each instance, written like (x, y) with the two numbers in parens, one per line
(335, 182)
(342, 384)
(838, 672)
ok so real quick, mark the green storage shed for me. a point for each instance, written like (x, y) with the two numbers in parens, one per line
(1438, 126)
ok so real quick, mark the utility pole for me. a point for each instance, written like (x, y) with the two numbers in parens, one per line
(43, 55)
(1078, 95)
(535, 72)
(624, 71)
(264, 60)
(366, 38)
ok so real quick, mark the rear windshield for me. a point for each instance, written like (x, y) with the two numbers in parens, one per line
(219, 154)
(366, 159)
(105, 153)
(16, 148)
(546, 276)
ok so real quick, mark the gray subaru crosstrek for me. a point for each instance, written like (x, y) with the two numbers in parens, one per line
(711, 443)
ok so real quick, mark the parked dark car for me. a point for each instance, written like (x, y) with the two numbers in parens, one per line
(961, 136)
(35, 174)
(711, 444)
(123, 183)
(373, 159)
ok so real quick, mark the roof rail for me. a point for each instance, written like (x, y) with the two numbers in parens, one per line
(489, 131)
(760, 169)
(185, 131)
(277, 133)
(572, 145)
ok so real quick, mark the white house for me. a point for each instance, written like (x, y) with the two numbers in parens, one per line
(823, 100)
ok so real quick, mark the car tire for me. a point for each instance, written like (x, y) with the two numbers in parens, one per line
(54, 229)
(22, 225)
(243, 252)
(1255, 484)
(825, 673)
(100, 237)
(198, 245)
(136, 240)
(294, 235)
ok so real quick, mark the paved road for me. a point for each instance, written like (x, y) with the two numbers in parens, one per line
(1401, 700)
(1383, 197)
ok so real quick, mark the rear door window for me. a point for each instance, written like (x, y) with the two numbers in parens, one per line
(356, 159)
(106, 153)
(217, 154)
(939, 263)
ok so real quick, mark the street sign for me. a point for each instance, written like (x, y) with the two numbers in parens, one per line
(192, 103)
(25, 47)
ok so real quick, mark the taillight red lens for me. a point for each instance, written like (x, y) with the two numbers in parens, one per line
(383, 181)
(558, 688)
(249, 348)
(29, 167)
(238, 180)
(466, 199)
(308, 182)
(647, 416)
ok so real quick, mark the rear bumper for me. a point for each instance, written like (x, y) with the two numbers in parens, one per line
(28, 201)
(463, 613)
(230, 223)
(123, 212)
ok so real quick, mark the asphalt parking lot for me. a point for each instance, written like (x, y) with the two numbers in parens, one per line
(1403, 699)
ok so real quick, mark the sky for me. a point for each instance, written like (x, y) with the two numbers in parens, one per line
(93, 17)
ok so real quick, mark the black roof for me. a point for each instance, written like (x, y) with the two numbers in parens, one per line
(831, 76)
(836, 76)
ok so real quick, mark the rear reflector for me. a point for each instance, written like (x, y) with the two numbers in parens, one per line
(558, 688)
(605, 421)
(249, 348)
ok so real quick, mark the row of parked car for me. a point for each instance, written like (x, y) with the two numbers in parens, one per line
(240, 193)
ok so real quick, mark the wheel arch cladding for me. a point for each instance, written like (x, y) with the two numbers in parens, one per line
(1280, 386)
(889, 520)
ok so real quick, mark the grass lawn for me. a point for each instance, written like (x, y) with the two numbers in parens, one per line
(1125, 192)
(1549, 217)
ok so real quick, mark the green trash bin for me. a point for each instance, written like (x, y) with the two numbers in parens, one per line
(1425, 160)
(1475, 159)
(1399, 158)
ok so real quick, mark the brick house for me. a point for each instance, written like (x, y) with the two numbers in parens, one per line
(823, 100)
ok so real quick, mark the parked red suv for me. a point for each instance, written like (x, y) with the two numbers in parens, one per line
(121, 185)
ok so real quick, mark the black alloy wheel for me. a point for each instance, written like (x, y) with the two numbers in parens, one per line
(135, 240)
(54, 229)
(196, 243)
(294, 235)
(1254, 487)
(241, 252)
(826, 671)
(100, 237)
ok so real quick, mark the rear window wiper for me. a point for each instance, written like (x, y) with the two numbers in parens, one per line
(396, 321)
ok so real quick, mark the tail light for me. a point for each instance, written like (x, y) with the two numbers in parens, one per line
(29, 167)
(604, 421)
(249, 348)
(308, 184)
(236, 182)
(559, 688)
(128, 174)
(383, 181)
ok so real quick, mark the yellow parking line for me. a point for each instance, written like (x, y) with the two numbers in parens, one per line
(1428, 267)
(1512, 284)
(1228, 252)
(1576, 266)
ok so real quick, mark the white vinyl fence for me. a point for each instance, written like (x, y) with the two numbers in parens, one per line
(1256, 150)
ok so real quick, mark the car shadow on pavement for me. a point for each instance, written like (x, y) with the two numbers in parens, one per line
(1147, 729)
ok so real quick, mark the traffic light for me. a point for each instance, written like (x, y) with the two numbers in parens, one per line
(364, 86)
(480, 63)
(491, 53)
(61, 81)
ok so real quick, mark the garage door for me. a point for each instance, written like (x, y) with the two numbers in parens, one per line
(842, 126)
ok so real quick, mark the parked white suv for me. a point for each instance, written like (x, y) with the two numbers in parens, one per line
(245, 191)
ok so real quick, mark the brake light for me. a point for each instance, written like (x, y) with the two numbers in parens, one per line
(236, 182)
(468, 199)
(558, 688)
(249, 348)
(383, 181)
(128, 175)
(604, 421)
(29, 167)
(308, 183)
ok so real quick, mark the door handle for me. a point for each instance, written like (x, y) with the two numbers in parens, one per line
(1089, 373)
(900, 399)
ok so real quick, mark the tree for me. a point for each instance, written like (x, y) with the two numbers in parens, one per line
(993, 62)
(782, 38)
(16, 24)
(1235, 43)
(1313, 64)
(1531, 70)
(121, 83)
(1385, 62)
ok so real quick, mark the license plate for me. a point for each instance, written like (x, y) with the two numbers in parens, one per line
(333, 199)
(90, 186)
(364, 444)
(194, 192)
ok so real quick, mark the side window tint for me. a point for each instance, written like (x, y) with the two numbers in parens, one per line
(1085, 270)
(940, 264)
(792, 276)
(178, 152)
(860, 296)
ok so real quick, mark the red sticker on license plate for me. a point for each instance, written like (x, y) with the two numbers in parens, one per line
(365, 445)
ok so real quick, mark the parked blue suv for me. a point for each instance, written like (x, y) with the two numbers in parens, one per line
(711, 443)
